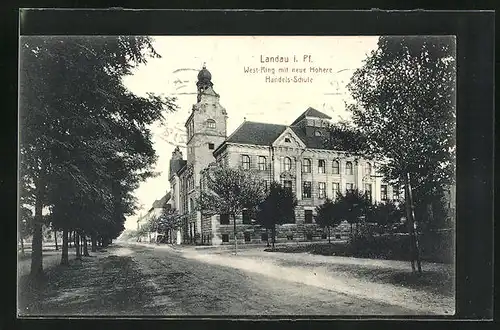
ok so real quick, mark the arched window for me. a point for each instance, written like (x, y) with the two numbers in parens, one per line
(368, 168)
(306, 166)
(245, 162)
(348, 168)
(211, 123)
(336, 167)
(287, 164)
(321, 166)
(317, 133)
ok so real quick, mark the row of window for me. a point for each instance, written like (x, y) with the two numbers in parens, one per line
(224, 218)
(190, 128)
(306, 165)
(264, 237)
(306, 193)
(307, 189)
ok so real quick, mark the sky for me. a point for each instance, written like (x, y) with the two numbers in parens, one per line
(236, 63)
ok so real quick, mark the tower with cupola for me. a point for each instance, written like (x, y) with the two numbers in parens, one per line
(206, 129)
(206, 125)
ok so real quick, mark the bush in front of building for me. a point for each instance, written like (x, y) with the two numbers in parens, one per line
(435, 247)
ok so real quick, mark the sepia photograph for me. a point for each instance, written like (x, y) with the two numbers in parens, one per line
(217, 175)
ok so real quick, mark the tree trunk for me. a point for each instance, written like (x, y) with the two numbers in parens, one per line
(22, 245)
(430, 211)
(329, 239)
(414, 246)
(36, 243)
(64, 254)
(267, 235)
(85, 246)
(235, 235)
(55, 239)
(70, 239)
(273, 233)
(94, 243)
(77, 246)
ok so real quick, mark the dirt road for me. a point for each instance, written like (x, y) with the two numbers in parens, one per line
(131, 280)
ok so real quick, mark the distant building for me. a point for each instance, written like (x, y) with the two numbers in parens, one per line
(294, 155)
(158, 207)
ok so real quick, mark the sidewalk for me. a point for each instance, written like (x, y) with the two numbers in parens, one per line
(351, 276)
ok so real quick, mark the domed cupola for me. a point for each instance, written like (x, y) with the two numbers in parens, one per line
(204, 81)
(204, 75)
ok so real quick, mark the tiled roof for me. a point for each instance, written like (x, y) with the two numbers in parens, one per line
(314, 142)
(256, 133)
(182, 165)
(311, 112)
(175, 166)
(161, 203)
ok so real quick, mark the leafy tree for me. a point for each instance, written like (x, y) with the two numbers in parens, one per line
(329, 215)
(169, 222)
(404, 105)
(352, 206)
(277, 208)
(142, 231)
(229, 191)
(343, 136)
(385, 214)
(78, 120)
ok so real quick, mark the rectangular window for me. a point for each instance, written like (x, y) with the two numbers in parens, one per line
(335, 190)
(225, 238)
(245, 214)
(262, 163)
(321, 166)
(287, 184)
(245, 162)
(349, 187)
(395, 192)
(265, 185)
(211, 146)
(247, 237)
(368, 190)
(306, 166)
(308, 216)
(224, 219)
(383, 192)
(322, 190)
(306, 190)
(309, 237)
(263, 237)
(289, 237)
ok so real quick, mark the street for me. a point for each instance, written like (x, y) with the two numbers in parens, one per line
(130, 279)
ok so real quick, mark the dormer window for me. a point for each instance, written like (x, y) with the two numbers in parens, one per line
(211, 123)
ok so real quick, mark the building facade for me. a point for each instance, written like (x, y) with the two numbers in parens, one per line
(294, 155)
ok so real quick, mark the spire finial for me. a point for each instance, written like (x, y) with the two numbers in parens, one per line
(204, 65)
